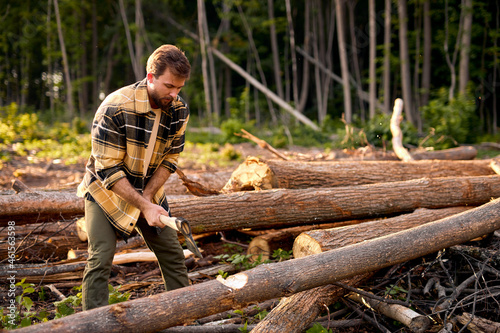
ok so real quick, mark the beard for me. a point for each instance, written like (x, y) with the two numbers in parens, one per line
(161, 102)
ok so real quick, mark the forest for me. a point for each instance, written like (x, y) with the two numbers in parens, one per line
(289, 66)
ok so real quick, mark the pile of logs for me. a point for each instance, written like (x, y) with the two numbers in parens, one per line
(344, 221)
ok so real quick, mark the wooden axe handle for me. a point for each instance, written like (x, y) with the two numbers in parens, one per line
(169, 221)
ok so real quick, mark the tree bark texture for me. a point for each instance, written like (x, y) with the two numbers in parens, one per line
(269, 281)
(317, 241)
(283, 207)
(260, 174)
(295, 313)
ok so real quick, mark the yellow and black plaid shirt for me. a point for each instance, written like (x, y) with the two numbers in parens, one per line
(120, 136)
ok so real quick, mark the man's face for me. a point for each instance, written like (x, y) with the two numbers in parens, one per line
(163, 90)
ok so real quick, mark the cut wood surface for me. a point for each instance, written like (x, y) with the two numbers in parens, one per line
(259, 174)
(270, 281)
(317, 241)
(283, 207)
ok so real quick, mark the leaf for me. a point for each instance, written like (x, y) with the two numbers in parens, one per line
(28, 303)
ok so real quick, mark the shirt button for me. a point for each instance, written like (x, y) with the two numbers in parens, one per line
(131, 224)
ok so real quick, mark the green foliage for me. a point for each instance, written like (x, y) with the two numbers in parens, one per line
(318, 328)
(22, 315)
(450, 123)
(31, 137)
(242, 261)
(115, 296)
(282, 255)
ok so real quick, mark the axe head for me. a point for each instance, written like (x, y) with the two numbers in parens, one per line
(185, 229)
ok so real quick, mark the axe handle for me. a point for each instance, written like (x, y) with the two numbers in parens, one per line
(169, 221)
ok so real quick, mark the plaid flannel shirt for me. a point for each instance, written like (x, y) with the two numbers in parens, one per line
(120, 136)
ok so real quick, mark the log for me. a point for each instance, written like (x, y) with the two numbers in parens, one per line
(264, 245)
(268, 281)
(317, 241)
(282, 207)
(295, 312)
(213, 180)
(259, 174)
(458, 153)
(414, 321)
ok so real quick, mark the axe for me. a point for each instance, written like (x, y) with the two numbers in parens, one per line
(182, 225)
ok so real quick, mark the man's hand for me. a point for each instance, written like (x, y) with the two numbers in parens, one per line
(152, 215)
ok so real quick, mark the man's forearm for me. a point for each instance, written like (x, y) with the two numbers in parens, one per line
(158, 180)
(124, 190)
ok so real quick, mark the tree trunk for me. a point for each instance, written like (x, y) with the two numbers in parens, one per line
(373, 55)
(255, 174)
(281, 207)
(426, 66)
(67, 76)
(274, 48)
(280, 279)
(295, 77)
(355, 54)
(343, 60)
(140, 34)
(463, 72)
(387, 57)
(405, 61)
(130, 44)
(204, 65)
(317, 241)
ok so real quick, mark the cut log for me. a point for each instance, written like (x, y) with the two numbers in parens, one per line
(264, 245)
(213, 180)
(297, 311)
(281, 208)
(258, 174)
(181, 306)
(458, 153)
(317, 241)
(414, 321)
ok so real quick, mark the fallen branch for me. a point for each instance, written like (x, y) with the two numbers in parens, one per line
(397, 134)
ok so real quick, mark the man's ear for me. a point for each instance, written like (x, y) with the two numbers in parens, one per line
(150, 77)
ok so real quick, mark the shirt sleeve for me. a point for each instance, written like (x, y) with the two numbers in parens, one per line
(108, 145)
(177, 145)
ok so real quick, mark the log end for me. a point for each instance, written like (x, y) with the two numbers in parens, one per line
(253, 174)
(305, 245)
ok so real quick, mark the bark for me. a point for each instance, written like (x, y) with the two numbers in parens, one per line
(295, 313)
(405, 60)
(463, 72)
(67, 76)
(317, 241)
(295, 77)
(257, 174)
(274, 48)
(426, 66)
(458, 153)
(280, 279)
(212, 180)
(355, 53)
(397, 134)
(387, 57)
(272, 240)
(204, 69)
(373, 54)
(477, 324)
(415, 322)
(284, 207)
(343, 60)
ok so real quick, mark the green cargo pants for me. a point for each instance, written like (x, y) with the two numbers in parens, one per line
(101, 249)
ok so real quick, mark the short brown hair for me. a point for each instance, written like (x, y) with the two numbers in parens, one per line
(171, 57)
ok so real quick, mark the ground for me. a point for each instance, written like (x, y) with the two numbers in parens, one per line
(56, 175)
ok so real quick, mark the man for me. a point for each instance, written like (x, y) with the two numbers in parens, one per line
(124, 191)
